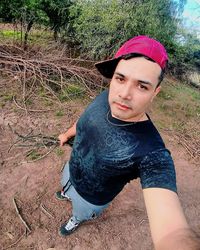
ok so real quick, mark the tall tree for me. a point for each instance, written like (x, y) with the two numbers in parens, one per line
(27, 12)
(58, 14)
(102, 25)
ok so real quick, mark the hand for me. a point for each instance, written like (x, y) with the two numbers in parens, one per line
(63, 138)
(67, 135)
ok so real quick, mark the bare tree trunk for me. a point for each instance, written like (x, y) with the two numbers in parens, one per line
(21, 31)
(29, 26)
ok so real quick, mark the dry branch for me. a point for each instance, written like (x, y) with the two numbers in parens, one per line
(43, 156)
(16, 242)
(51, 72)
(36, 142)
(43, 208)
(190, 143)
(31, 110)
(20, 217)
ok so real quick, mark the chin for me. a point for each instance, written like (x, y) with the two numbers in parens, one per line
(120, 115)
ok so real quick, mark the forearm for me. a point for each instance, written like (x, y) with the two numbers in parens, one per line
(181, 239)
(71, 131)
(67, 135)
(169, 228)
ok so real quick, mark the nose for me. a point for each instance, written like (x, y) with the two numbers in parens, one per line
(125, 92)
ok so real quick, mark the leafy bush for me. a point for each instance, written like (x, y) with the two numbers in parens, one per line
(96, 28)
(101, 26)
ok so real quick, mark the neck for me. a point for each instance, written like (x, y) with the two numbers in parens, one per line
(139, 118)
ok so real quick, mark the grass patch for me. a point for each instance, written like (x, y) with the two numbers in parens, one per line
(59, 113)
(179, 101)
(4, 98)
(72, 91)
(46, 99)
(48, 103)
(29, 102)
(7, 97)
(177, 108)
(36, 36)
(59, 152)
(40, 37)
(166, 95)
(33, 155)
(10, 34)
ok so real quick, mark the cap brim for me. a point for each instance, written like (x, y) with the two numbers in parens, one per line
(107, 67)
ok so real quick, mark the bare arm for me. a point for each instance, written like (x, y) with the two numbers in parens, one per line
(182, 239)
(168, 225)
(68, 134)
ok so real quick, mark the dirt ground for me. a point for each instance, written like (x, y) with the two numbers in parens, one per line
(124, 225)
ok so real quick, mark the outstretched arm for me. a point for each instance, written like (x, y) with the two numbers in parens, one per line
(168, 225)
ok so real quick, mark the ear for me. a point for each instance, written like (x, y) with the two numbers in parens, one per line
(157, 90)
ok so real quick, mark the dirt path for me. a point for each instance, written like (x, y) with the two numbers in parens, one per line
(124, 224)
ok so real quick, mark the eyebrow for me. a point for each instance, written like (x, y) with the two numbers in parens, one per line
(141, 81)
(119, 74)
(145, 82)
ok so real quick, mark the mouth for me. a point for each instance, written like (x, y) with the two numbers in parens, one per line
(122, 106)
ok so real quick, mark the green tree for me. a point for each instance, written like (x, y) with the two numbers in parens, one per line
(102, 25)
(58, 13)
(27, 12)
(8, 9)
(186, 55)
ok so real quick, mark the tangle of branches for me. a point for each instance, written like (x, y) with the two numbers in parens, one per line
(53, 71)
(38, 145)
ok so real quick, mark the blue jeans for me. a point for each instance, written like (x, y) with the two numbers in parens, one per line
(82, 210)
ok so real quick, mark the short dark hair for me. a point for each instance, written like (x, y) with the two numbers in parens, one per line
(132, 55)
(160, 78)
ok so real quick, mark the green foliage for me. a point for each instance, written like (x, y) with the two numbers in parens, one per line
(27, 12)
(185, 55)
(4, 98)
(33, 155)
(59, 113)
(191, 47)
(8, 97)
(97, 28)
(166, 96)
(181, 100)
(72, 91)
(21, 10)
(101, 26)
(8, 9)
(9, 34)
(57, 12)
(59, 152)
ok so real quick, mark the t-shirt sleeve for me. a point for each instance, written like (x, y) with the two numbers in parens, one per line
(157, 170)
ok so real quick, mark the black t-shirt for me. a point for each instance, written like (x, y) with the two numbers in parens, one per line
(108, 153)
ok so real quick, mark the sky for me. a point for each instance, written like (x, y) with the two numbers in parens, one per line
(192, 15)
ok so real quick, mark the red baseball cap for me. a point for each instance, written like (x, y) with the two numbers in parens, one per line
(139, 45)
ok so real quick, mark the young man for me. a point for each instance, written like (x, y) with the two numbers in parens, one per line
(116, 142)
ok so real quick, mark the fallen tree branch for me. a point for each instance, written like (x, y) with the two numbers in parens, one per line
(47, 70)
(16, 242)
(20, 217)
(43, 208)
(30, 110)
(190, 144)
(35, 143)
(43, 156)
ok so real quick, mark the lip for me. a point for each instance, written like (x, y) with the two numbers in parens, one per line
(121, 106)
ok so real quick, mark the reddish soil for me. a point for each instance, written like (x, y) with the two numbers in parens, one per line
(124, 225)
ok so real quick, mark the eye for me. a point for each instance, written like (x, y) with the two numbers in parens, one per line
(142, 86)
(119, 79)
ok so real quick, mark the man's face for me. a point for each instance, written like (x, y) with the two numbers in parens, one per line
(133, 87)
